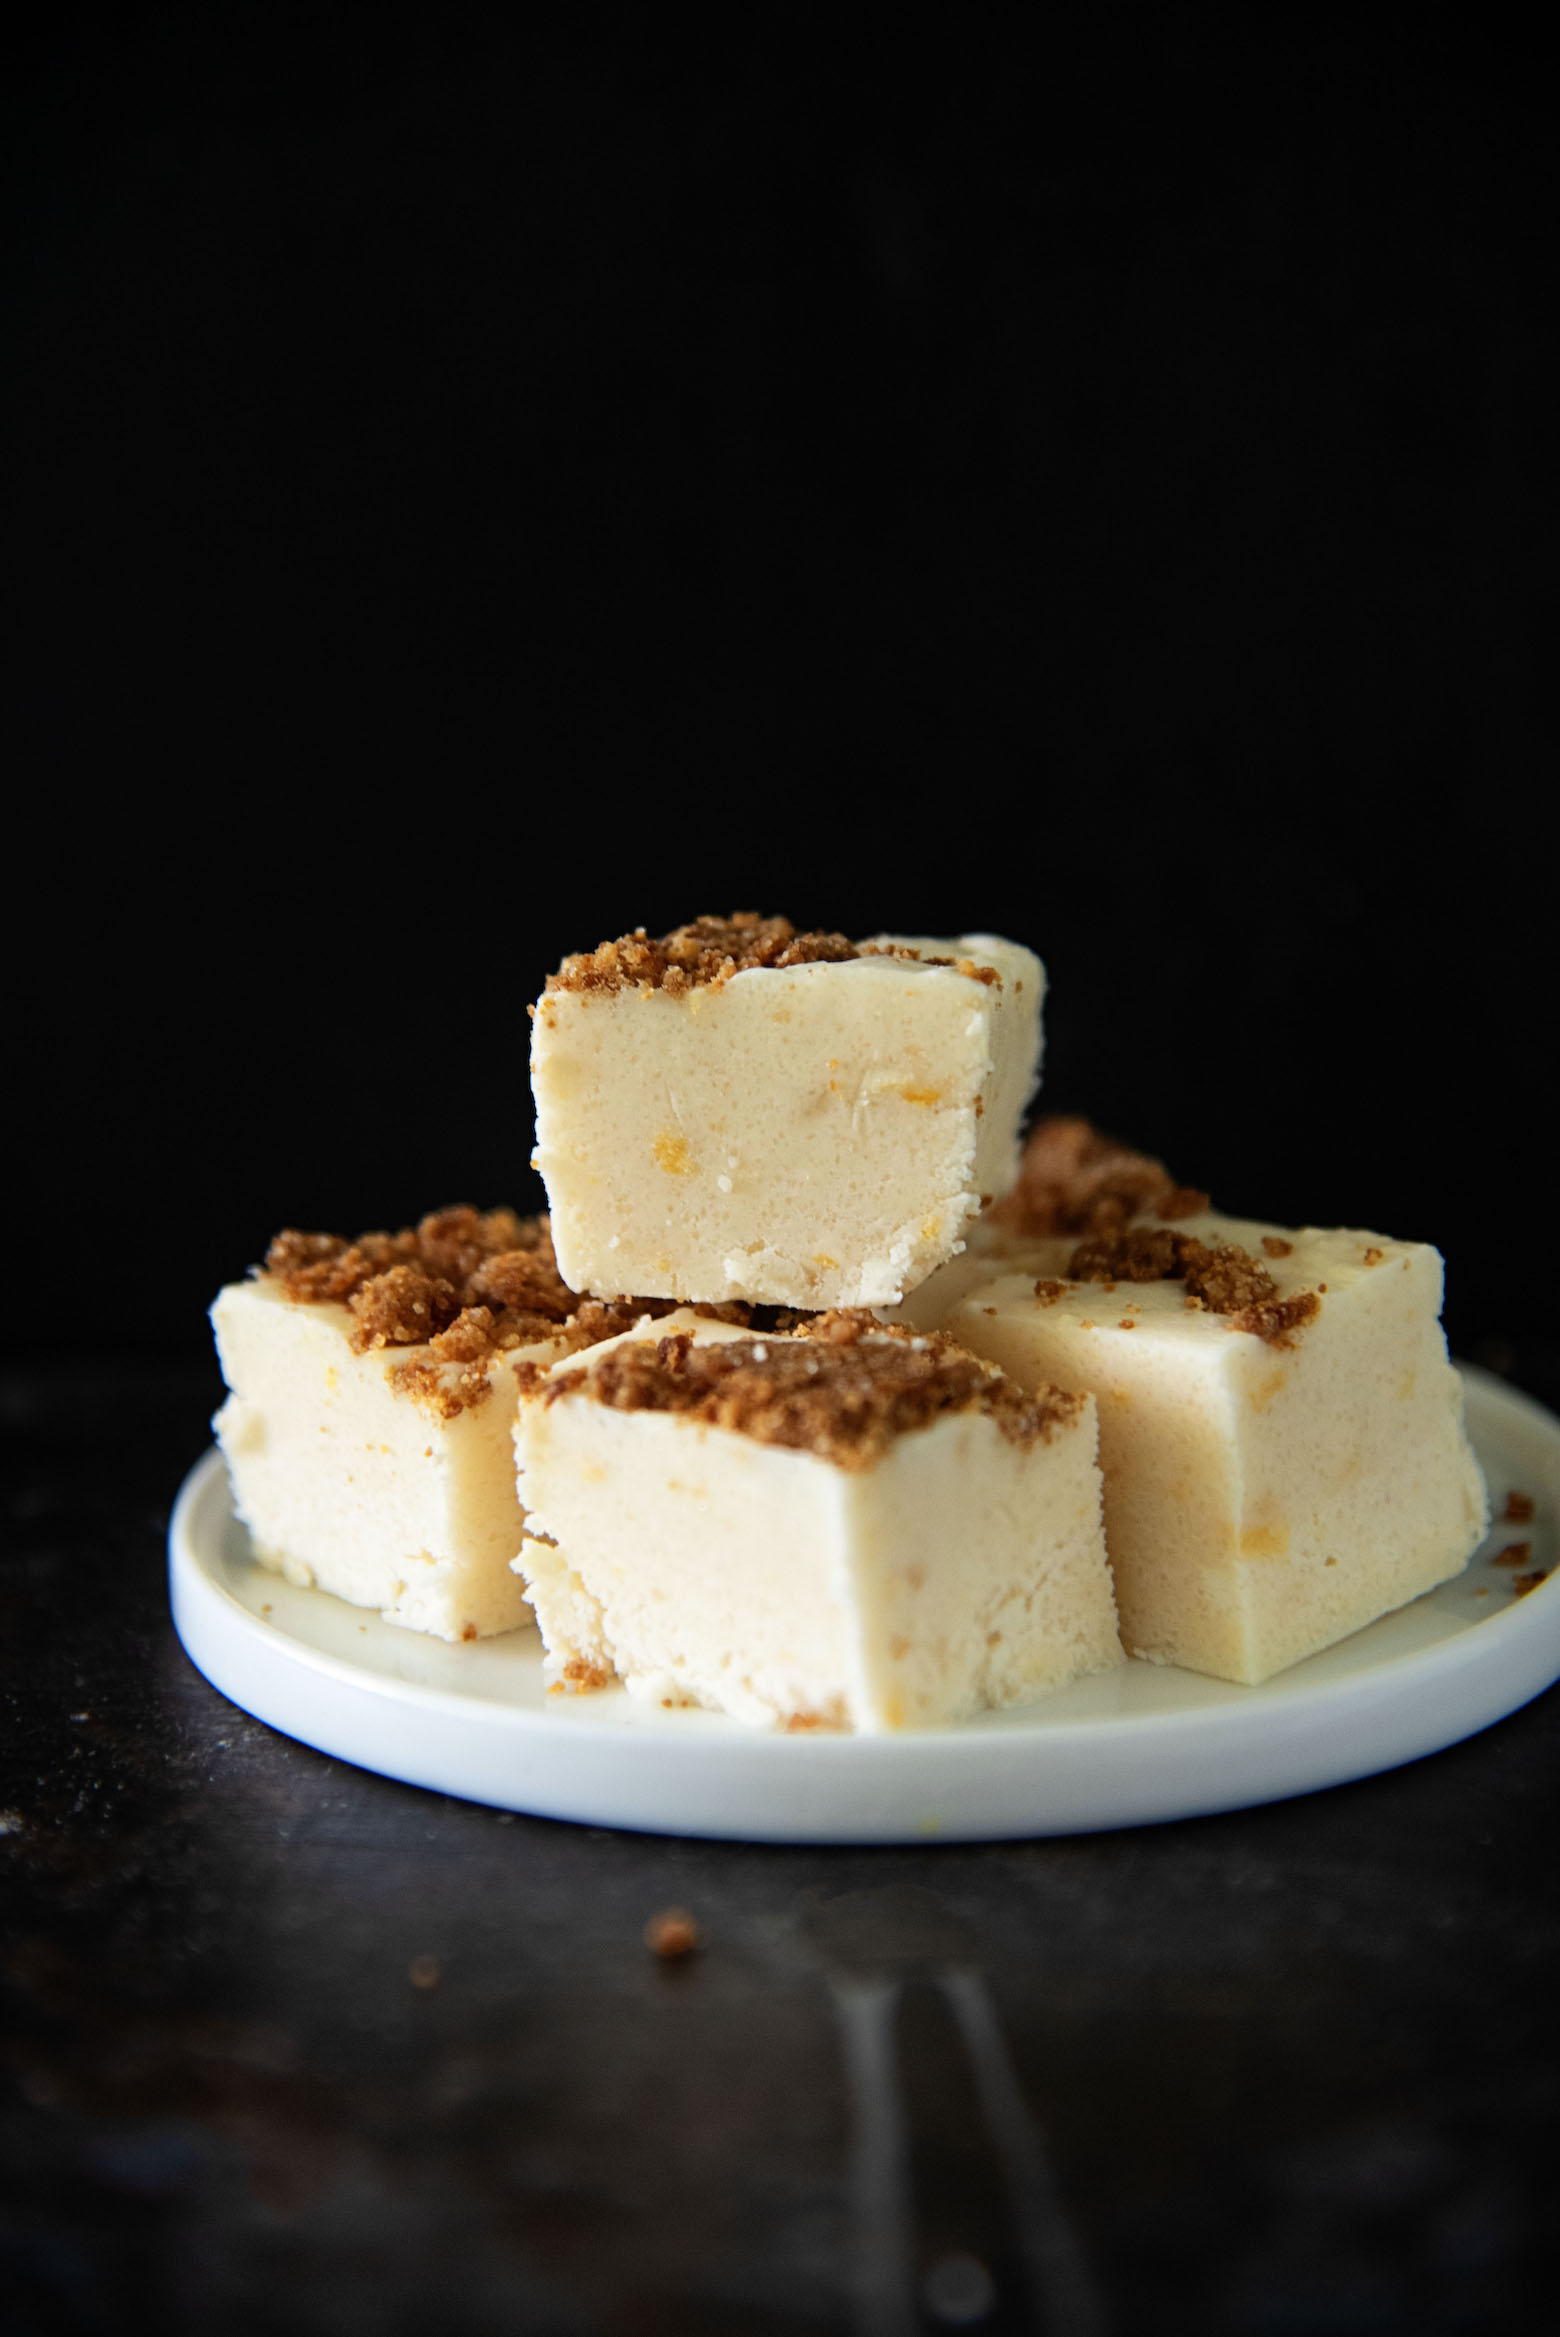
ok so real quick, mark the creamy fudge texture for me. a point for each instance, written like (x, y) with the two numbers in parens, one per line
(770, 1536)
(345, 1481)
(794, 1129)
(373, 1383)
(1277, 1474)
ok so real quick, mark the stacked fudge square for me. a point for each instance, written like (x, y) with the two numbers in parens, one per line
(896, 1424)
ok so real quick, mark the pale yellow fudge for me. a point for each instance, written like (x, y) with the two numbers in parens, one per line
(1281, 1432)
(1072, 1180)
(368, 1434)
(739, 1111)
(849, 1529)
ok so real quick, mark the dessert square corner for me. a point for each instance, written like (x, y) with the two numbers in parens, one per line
(816, 1134)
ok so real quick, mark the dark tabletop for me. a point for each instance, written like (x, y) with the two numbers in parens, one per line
(454, 455)
(290, 2046)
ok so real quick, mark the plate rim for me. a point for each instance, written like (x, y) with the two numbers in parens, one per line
(1474, 1657)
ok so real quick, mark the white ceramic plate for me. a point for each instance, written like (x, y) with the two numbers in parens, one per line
(1130, 1747)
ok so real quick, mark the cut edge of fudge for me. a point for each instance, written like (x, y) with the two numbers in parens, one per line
(421, 1336)
(1243, 1305)
(842, 1445)
(838, 1168)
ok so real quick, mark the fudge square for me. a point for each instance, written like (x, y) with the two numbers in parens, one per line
(1281, 1433)
(850, 1529)
(368, 1435)
(1072, 1180)
(741, 1111)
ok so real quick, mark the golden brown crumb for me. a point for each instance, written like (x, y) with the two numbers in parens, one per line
(1276, 1246)
(1277, 1319)
(1075, 1180)
(710, 950)
(444, 1392)
(580, 1676)
(469, 1338)
(672, 1934)
(845, 1390)
(848, 1326)
(1373, 1256)
(1514, 1554)
(451, 1259)
(1523, 1583)
(460, 1287)
(1227, 1278)
(598, 1319)
(1519, 1508)
(987, 975)
(1219, 1276)
(1047, 1290)
(1181, 1201)
(403, 1307)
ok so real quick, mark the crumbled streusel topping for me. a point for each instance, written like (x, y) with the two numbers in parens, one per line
(1073, 1179)
(707, 953)
(845, 1389)
(406, 1288)
(461, 1287)
(1222, 1277)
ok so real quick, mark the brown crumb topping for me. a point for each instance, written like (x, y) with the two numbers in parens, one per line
(1514, 1554)
(1277, 1319)
(707, 953)
(1221, 1277)
(1073, 1179)
(1181, 1201)
(1276, 1247)
(1519, 1508)
(461, 1286)
(401, 1287)
(580, 1676)
(1523, 1583)
(845, 1390)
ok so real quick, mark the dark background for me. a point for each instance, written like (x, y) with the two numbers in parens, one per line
(477, 487)
(471, 486)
